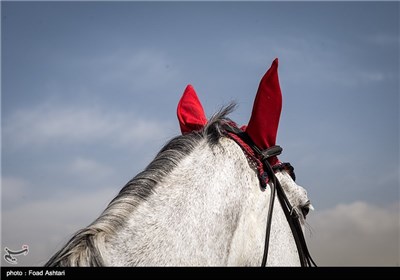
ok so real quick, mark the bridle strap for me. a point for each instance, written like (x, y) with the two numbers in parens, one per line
(292, 216)
(273, 188)
(291, 213)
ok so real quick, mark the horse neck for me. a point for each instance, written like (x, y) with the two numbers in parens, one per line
(209, 210)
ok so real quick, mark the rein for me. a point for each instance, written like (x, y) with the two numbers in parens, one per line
(266, 173)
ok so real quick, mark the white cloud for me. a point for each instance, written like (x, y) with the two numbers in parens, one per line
(382, 39)
(356, 234)
(59, 124)
(372, 76)
(88, 168)
(138, 71)
(308, 59)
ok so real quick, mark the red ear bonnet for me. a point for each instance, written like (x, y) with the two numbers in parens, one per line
(264, 121)
(190, 112)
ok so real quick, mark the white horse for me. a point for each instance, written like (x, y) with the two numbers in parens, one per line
(205, 200)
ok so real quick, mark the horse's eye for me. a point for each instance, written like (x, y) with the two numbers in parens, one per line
(305, 209)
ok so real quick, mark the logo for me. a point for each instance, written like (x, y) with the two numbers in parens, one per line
(9, 256)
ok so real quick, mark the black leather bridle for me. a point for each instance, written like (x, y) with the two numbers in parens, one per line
(291, 213)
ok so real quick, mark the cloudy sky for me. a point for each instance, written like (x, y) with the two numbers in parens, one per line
(89, 94)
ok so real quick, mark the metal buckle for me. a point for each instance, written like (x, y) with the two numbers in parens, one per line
(272, 151)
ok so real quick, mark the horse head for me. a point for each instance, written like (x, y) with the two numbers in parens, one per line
(258, 141)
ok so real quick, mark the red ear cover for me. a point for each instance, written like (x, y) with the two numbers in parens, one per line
(264, 121)
(190, 112)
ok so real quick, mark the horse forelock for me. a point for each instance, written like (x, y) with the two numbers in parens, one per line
(84, 248)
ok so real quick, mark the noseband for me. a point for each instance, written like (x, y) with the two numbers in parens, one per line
(266, 173)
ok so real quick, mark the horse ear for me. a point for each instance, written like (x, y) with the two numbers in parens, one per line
(190, 112)
(264, 121)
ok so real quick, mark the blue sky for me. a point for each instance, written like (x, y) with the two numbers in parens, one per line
(90, 89)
